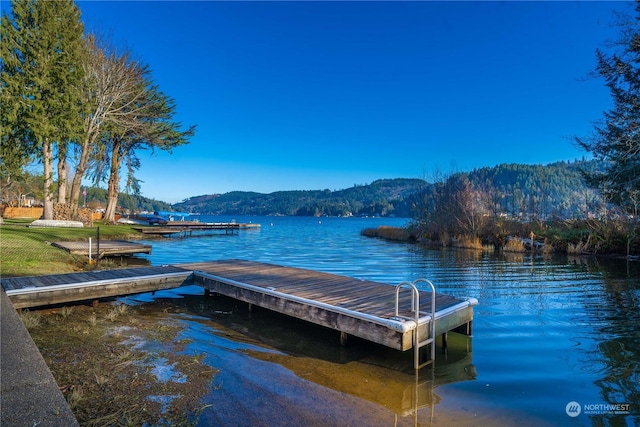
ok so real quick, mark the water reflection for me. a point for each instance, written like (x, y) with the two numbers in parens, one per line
(246, 346)
(616, 315)
(547, 331)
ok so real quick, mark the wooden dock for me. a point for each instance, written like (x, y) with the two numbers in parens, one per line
(355, 307)
(106, 248)
(351, 306)
(187, 228)
(36, 291)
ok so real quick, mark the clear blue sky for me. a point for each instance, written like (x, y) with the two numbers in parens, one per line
(316, 95)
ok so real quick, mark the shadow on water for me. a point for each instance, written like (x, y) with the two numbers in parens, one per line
(226, 329)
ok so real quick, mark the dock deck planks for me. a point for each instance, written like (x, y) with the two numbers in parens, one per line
(107, 248)
(361, 308)
(358, 307)
(35, 291)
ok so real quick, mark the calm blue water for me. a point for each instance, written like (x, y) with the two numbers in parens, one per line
(545, 333)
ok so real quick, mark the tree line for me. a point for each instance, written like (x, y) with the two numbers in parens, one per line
(514, 191)
(385, 197)
(70, 97)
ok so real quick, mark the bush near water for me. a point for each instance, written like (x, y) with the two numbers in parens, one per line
(573, 237)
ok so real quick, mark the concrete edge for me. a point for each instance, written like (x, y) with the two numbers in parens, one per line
(29, 395)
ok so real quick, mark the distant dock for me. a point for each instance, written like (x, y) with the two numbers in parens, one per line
(187, 228)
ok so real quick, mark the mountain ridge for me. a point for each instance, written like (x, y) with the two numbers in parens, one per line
(554, 189)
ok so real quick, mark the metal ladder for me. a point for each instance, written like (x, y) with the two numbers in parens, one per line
(415, 309)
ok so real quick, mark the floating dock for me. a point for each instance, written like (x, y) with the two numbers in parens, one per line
(36, 291)
(356, 307)
(373, 311)
(103, 248)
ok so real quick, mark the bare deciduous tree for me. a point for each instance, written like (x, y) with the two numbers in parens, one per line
(110, 85)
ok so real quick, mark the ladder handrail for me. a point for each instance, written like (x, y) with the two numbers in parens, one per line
(415, 308)
(433, 315)
(414, 291)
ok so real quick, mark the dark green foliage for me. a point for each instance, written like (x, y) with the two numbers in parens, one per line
(41, 71)
(41, 51)
(553, 202)
(590, 236)
(617, 139)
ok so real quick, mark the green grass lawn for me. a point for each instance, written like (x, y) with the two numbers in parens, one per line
(27, 251)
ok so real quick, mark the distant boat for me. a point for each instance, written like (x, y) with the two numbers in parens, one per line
(167, 213)
(143, 219)
(132, 221)
(173, 216)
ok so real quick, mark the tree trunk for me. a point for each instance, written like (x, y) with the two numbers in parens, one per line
(62, 175)
(48, 179)
(112, 199)
(112, 190)
(76, 184)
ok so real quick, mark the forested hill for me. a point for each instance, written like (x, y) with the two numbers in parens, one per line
(538, 192)
(385, 197)
(542, 191)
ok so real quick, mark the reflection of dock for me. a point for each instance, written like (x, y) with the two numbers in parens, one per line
(385, 378)
(186, 228)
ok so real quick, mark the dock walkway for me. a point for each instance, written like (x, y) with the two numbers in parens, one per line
(354, 307)
(35, 291)
(351, 306)
(104, 248)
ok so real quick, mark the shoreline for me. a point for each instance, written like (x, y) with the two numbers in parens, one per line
(120, 351)
(404, 235)
(105, 358)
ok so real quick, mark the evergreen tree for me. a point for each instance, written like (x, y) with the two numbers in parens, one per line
(617, 139)
(41, 50)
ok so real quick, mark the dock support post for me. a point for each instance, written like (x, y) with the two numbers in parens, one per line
(444, 343)
(344, 339)
(98, 247)
(207, 292)
(466, 329)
